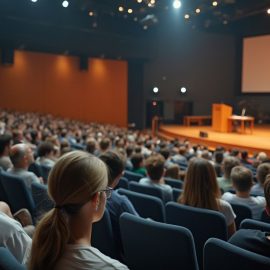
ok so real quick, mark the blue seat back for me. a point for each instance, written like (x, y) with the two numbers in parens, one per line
(203, 223)
(176, 193)
(8, 261)
(242, 212)
(147, 206)
(221, 255)
(264, 217)
(102, 236)
(19, 196)
(41, 198)
(131, 176)
(36, 169)
(255, 225)
(174, 183)
(123, 183)
(153, 245)
(153, 191)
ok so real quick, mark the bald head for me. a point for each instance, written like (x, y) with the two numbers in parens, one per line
(21, 155)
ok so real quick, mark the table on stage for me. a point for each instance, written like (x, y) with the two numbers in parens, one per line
(242, 120)
(198, 119)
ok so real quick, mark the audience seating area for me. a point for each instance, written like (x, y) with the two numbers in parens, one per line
(166, 234)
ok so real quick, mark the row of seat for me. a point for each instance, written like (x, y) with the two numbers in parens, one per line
(154, 245)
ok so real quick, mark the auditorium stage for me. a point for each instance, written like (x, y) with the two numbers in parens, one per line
(256, 142)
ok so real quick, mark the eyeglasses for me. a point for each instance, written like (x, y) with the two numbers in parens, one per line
(108, 192)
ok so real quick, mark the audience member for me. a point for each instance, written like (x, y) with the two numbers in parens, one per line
(12, 235)
(225, 182)
(137, 161)
(173, 172)
(255, 240)
(218, 158)
(116, 204)
(62, 238)
(262, 171)
(45, 154)
(21, 156)
(155, 173)
(242, 183)
(5, 144)
(201, 190)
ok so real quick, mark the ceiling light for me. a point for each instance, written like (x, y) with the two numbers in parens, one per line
(139, 1)
(152, 2)
(176, 4)
(34, 1)
(155, 90)
(187, 16)
(91, 13)
(183, 90)
(198, 10)
(121, 9)
(268, 11)
(65, 4)
(214, 3)
(130, 10)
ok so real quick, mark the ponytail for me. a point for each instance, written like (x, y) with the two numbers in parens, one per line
(51, 236)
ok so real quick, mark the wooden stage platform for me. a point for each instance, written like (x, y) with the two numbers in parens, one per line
(256, 142)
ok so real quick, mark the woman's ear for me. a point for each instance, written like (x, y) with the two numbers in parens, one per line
(95, 200)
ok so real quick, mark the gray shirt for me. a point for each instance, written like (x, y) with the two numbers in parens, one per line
(28, 177)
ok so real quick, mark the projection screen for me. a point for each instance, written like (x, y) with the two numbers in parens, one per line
(256, 65)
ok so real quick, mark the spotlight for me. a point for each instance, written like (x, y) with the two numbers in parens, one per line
(121, 9)
(186, 16)
(154, 103)
(65, 4)
(91, 13)
(197, 10)
(155, 90)
(268, 11)
(176, 4)
(183, 90)
(34, 1)
(214, 3)
(139, 1)
(152, 2)
(130, 10)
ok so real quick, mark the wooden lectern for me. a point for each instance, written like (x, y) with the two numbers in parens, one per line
(220, 115)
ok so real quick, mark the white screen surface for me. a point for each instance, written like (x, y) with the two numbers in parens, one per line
(256, 65)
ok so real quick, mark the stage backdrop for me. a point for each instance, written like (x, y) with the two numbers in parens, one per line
(54, 84)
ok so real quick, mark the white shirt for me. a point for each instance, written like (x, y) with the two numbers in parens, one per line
(14, 238)
(227, 211)
(82, 257)
(256, 204)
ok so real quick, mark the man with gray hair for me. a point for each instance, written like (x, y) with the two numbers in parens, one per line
(21, 156)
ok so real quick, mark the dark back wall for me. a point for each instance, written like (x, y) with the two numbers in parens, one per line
(205, 63)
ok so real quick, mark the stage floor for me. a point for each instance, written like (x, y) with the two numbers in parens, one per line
(256, 142)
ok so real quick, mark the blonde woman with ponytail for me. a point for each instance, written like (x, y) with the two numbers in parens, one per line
(78, 186)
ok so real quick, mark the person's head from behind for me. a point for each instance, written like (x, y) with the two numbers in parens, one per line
(91, 145)
(115, 164)
(218, 157)
(46, 149)
(228, 164)
(165, 152)
(76, 185)
(173, 171)
(242, 179)
(5, 144)
(200, 186)
(244, 155)
(262, 171)
(104, 144)
(155, 167)
(137, 160)
(21, 156)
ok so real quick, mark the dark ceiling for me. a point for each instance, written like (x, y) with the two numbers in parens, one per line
(97, 27)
